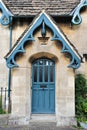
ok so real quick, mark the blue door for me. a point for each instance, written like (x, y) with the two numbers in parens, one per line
(43, 86)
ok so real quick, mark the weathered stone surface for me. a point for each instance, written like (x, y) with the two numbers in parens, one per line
(4, 48)
(4, 120)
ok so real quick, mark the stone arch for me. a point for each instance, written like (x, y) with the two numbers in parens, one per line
(44, 55)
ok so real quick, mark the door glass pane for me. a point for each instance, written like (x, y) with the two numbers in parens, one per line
(43, 70)
(46, 73)
(35, 63)
(40, 73)
(51, 73)
(51, 63)
(45, 62)
(35, 73)
(41, 62)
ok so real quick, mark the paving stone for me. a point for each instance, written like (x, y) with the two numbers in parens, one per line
(3, 120)
(35, 128)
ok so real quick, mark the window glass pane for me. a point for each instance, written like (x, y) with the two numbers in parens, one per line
(46, 73)
(35, 73)
(40, 73)
(51, 73)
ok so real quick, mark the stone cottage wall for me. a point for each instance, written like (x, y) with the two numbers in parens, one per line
(22, 80)
(77, 34)
(4, 48)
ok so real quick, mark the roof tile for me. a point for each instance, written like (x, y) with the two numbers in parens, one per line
(33, 7)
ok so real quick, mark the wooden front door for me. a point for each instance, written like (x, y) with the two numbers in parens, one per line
(43, 86)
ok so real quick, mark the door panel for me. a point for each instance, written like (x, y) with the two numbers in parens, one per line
(43, 86)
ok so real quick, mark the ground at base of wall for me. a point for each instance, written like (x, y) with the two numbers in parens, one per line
(8, 120)
(36, 128)
(4, 125)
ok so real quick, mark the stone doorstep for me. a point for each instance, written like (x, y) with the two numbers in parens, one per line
(39, 124)
(42, 120)
(43, 117)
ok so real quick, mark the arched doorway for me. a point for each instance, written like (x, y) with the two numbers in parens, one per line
(43, 86)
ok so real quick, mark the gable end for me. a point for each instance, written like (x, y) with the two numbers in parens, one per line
(57, 35)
